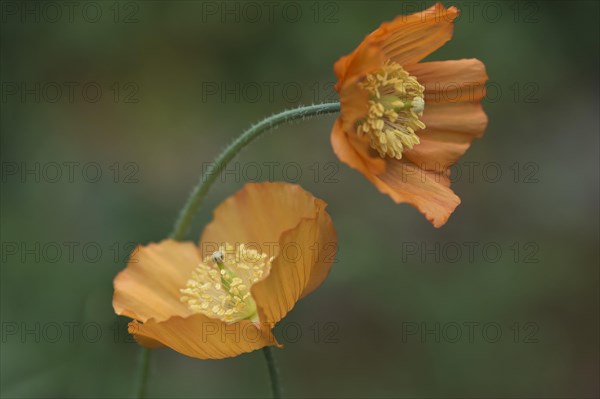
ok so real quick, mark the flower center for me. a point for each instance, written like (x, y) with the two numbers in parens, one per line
(396, 102)
(220, 286)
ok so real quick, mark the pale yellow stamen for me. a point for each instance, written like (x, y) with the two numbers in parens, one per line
(396, 103)
(220, 286)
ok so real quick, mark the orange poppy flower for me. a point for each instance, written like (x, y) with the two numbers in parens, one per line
(268, 246)
(404, 123)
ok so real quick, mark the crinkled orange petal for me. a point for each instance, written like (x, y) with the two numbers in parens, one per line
(451, 127)
(149, 286)
(354, 103)
(278, 219)
(451, 81)
(345, 146)
(146, 342)
(354, 151)
(364, 60)
(435, 153)
(353, 99)
(202, 337)
(429, 192)
(464, 117)
(257, 214)
(407, 40)
(453, 114)
(304, 260)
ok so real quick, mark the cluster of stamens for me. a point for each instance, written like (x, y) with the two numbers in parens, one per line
(220, 286)
(395, 105)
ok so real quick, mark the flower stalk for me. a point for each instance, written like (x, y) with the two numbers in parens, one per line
(273, 373)
(143, 373)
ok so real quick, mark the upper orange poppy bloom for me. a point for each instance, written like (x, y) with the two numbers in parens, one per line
(268, 246)
(404, 123)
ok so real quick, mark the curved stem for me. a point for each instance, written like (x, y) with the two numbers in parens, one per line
(140, 391)
(275, 387)
(208, 178)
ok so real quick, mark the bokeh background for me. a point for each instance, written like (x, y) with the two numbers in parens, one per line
(147, 92)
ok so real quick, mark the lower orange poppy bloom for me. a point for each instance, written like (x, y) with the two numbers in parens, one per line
(268, 246)
(404, 123)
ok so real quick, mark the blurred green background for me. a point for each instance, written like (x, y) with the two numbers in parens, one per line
(146, 93)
